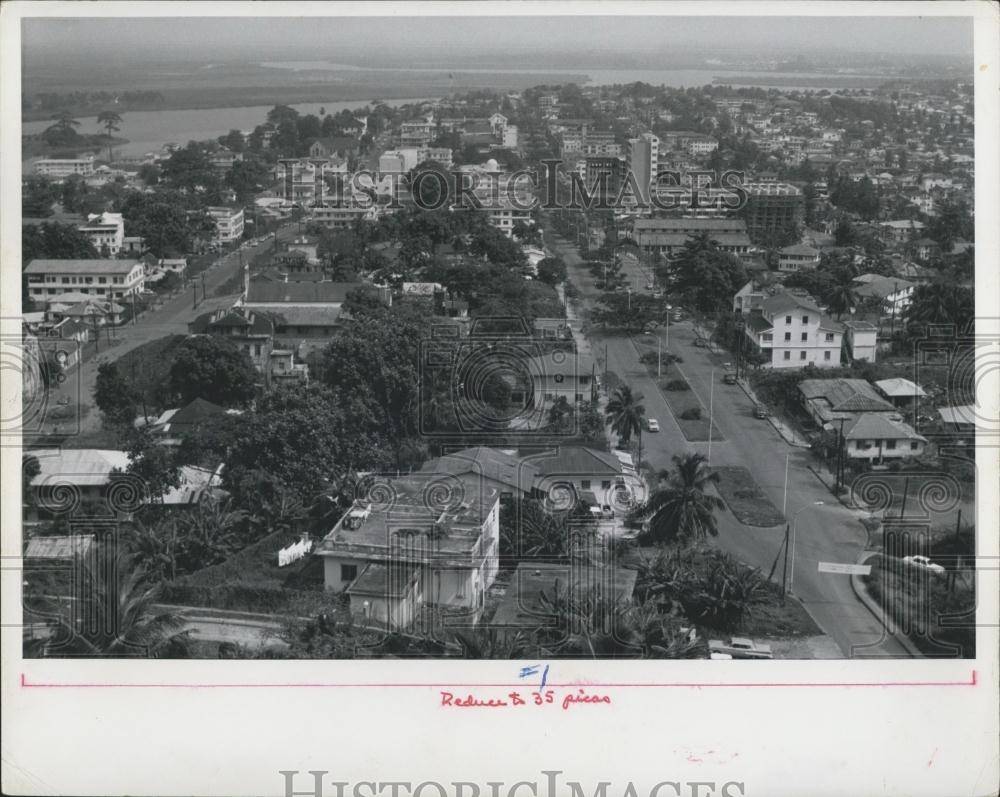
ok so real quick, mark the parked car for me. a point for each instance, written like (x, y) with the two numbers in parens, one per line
(652, 425)
(729, 378)
(740, 648)
(760, 411)
(607, 512)
(700, 343)
(677, 316)
(923, 563)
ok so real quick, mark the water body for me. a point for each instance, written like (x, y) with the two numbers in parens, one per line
(148, 131)
(677, 78)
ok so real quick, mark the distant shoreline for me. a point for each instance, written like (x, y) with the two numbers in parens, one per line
(198, 99)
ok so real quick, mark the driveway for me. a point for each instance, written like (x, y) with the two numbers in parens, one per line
(828, 533)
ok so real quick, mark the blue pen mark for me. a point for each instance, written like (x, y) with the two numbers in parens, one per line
(545, 675)
(526, 671)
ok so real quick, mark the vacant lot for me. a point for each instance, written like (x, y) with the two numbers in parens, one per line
(745, 499)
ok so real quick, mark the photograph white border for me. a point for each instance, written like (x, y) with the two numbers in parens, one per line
(701, 723)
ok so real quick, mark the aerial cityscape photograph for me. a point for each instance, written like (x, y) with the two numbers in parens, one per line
(496, 338)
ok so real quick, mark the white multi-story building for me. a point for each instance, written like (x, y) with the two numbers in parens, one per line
(228, 223)
(509, 137)
(392, 559)
(112, 279)
(64, 167)
(105, 230)
(792, 332)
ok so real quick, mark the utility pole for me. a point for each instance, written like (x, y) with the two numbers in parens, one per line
(784, 569)
(204, 296)
(711, 413)
(194, 295)
(97, 333)
(132, 296)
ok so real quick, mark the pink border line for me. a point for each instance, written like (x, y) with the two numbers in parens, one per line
(884, 684)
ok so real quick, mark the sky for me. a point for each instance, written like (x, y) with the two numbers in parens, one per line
(575, 38)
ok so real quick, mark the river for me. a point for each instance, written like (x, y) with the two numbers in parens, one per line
(148, 131)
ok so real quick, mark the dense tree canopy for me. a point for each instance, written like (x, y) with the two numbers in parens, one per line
(214, 369)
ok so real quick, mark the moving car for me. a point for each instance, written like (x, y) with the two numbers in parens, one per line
(740, 648)
(923, 563)
(653, 425)
(729, 378)
(760, 411)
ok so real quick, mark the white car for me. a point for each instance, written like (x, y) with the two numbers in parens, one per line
(653, 425)
(740, 648)
(923, 563)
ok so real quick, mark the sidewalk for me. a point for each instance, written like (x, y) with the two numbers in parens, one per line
(782, 428)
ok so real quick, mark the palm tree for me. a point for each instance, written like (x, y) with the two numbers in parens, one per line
(110, 120)
(841, 297)
(939, 303)
(680, 508)
(112, 617)
(625, 414)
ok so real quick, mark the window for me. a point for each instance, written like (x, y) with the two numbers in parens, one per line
(102, 280)
(65, 280)
(890, 444)
(585, 484)
(802, 355)
(256, 350)
(805, 336)
(805, 319)
(348, 572)
(829, 337)
(788, 355)
(558, 378)
(768, 337)
(788, 336)
(585, 380)
(606, 484)
(914, 445)
(826, 355)
(788, 319)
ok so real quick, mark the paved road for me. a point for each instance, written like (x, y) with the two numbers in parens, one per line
(830, 533)
(171, 318)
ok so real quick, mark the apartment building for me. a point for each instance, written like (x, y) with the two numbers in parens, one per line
(791, 332)
(394, 557)
(106, 232)
(60, 168)
(112, 279)
(228, 223)
(666, 236)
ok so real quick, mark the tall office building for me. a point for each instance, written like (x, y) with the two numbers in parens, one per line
(772, 207)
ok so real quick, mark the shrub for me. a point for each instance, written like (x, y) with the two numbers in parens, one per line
(677, 384)
(691, 414)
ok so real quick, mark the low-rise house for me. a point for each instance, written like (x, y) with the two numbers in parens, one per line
(960, 419)
(250, 330)
(900, 230)
(393, 557)
(800, 256)
(860, 340)
(498, 470)
(833, 400)
(667, 236)
(566, 375)
(892, 294)
(576, 473)
(901, 392)
(70, 479)
(877, 437)
(790, 331)
(173, 425)
(300, 310)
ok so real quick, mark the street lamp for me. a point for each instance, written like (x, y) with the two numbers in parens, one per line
(795, 518)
